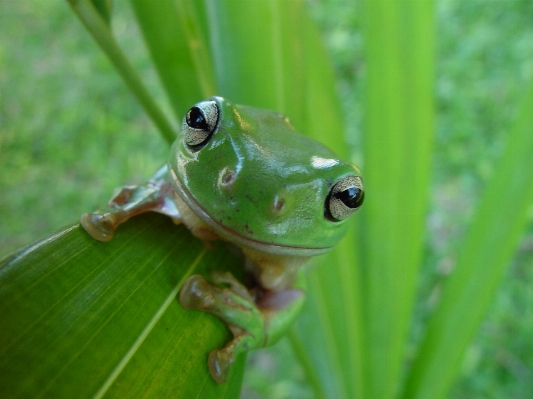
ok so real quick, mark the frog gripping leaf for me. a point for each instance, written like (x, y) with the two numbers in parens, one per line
(245, 176)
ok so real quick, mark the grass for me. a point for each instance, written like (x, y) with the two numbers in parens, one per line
(54, 124)
(61, 101)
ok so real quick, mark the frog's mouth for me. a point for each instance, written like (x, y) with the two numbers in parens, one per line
(234, 237)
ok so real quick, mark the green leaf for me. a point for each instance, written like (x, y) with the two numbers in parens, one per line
(82, 318)
(497, 226)
(174, 33)
(399, 129)
(250, 59)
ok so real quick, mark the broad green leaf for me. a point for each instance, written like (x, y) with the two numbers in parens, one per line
(399, 128)
(174, 33)
(493, 236)
(86, 319)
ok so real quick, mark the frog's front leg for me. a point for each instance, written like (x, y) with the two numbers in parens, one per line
(256, 320)
(156, 195)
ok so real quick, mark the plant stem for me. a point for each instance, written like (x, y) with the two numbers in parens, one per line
(101, 32)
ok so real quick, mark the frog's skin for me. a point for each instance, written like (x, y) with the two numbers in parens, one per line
(243, 175)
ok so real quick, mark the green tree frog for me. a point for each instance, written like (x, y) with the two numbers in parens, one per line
(244, 175)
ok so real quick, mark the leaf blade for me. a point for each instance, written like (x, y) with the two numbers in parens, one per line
(482, 260)
(174, 33)
(397, 146)
(101, 309)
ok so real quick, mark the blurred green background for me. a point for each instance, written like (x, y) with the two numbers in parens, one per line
(70, 132)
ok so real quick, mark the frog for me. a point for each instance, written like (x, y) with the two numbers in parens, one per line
(245, 176)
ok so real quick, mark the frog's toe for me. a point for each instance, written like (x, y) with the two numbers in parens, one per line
(100, 226)
(236, 286)
(219, 363)
(196, 293)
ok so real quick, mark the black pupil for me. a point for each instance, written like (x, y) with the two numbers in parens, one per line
(196, 119)
(352, 197)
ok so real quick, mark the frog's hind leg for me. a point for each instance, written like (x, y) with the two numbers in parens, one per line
(253, 326)
(157, 195)
(238, 312)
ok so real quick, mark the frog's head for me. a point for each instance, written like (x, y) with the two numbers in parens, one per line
(258, 183)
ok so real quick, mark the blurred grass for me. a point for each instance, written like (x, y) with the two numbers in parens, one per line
(61, 102)
(66, 120)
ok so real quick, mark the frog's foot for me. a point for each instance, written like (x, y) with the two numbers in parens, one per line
(220, 360)
(219, 364)
(100, 226)
(233, 306)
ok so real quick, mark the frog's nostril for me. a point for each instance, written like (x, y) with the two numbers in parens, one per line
(226, 177)
(279, 204)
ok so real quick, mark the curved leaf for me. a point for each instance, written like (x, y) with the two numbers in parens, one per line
(81, 318)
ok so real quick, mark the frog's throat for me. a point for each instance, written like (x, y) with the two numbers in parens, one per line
(232, 236)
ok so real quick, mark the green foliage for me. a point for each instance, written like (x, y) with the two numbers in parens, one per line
(487, 250)
(353, 339)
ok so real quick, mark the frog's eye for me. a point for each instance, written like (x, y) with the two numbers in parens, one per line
(345, 198)
(200, 123)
